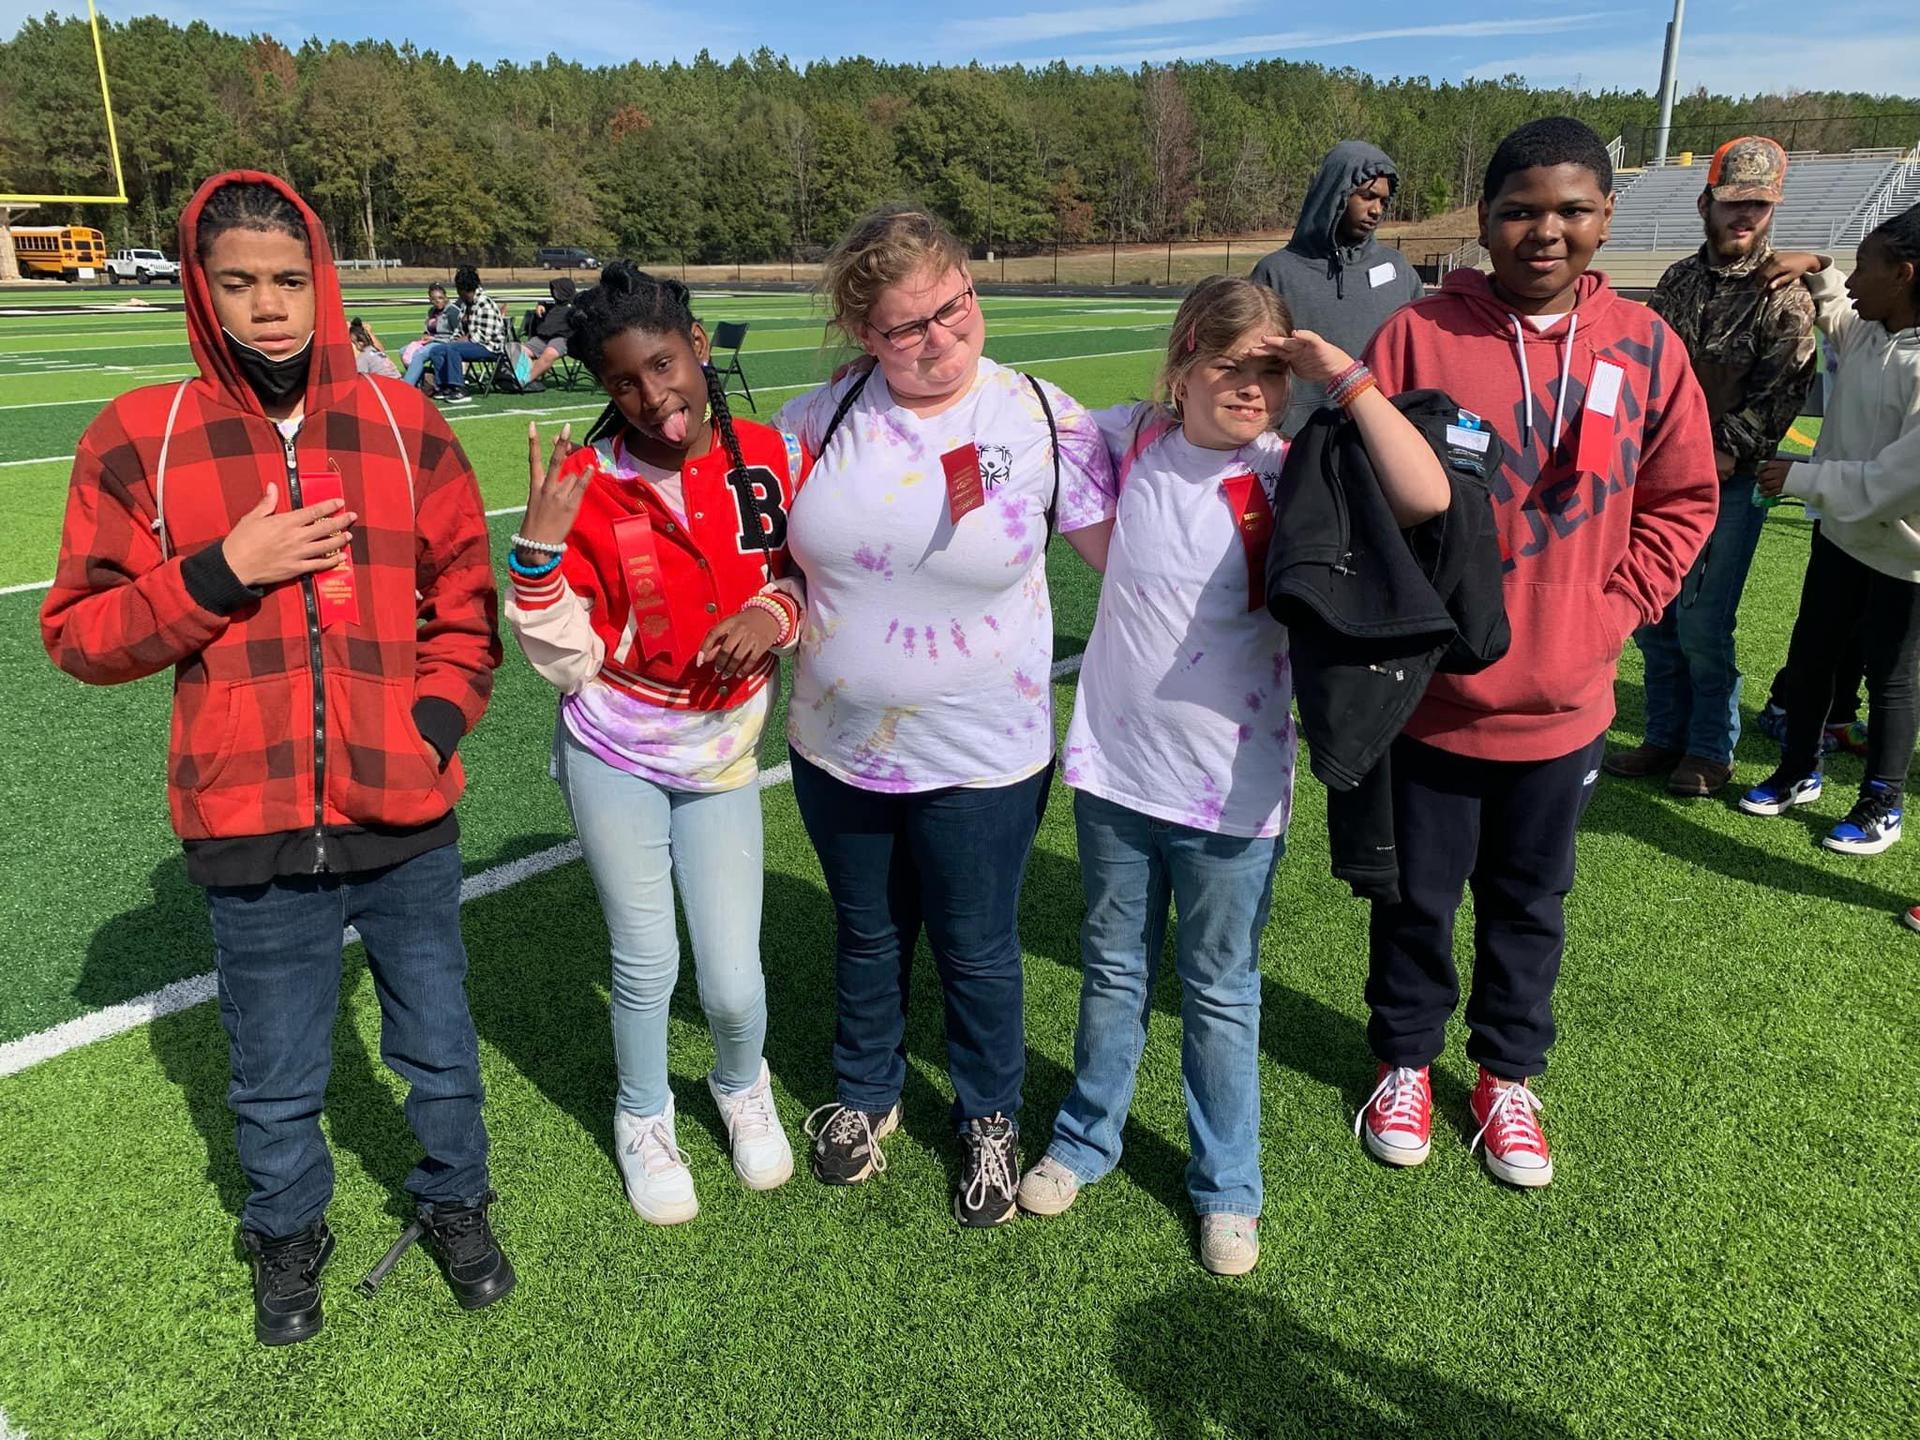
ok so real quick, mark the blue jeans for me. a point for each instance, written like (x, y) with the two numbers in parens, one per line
(446, 357)
(641, 840)
(952, 860)
(277, 961)
(1132, 865)
(1692, 682)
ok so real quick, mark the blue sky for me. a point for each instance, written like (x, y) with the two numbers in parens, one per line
(1730, 45)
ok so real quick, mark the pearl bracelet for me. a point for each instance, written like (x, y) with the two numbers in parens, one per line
(540, 547)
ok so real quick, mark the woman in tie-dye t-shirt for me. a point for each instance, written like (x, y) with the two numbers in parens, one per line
(921, 719)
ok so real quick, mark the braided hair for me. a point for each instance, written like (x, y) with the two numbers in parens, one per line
(246, 205)
(628, 298)
(1901, 236)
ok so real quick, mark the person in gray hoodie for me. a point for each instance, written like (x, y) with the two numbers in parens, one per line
(1336, 279)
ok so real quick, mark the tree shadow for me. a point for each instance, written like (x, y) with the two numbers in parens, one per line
(1210, 1357)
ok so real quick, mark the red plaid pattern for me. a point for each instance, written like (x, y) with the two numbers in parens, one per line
(250, 715)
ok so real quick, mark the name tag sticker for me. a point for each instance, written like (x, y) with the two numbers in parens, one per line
(965, 492)
(1474, 440)
(1595, 455)
(1380, 274)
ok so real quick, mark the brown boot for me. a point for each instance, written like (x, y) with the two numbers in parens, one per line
(1696, 778)
(1640, 762)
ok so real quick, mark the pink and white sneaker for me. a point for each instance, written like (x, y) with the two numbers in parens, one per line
(1508, 1114)
(1397, 1121)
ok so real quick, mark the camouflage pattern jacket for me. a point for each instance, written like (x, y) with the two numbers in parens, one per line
(1752, 350)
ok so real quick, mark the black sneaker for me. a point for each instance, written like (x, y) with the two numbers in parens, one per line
(990, 1174)
(286, 1283)
(846, 1145)
(462, 1240)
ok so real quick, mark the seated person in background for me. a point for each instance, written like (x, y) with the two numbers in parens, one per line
(482, 334)
(546, 343)
(369, 355)
(431, 329)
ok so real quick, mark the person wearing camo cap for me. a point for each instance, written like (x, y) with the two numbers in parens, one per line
(1753, 354)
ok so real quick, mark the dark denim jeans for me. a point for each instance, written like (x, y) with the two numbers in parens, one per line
(277, 955)
(1692, 680)
(951, 860)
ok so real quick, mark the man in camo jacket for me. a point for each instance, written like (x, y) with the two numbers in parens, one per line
(1753, 353)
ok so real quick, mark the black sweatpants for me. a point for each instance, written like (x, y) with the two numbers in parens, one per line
(1507, 828)
(1841, 598)
(1849, 674)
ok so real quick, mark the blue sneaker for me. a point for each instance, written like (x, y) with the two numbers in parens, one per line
(1871, 826)
(1780, 792)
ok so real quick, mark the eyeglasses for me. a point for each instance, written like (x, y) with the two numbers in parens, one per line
(948, 317)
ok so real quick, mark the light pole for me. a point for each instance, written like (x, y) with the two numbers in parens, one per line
(1669, 81)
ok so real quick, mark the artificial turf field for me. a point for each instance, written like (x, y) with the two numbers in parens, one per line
(1729, 1247)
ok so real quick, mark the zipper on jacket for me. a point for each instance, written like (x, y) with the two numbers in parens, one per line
(319, 683)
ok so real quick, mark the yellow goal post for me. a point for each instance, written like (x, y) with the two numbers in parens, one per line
(119, 197)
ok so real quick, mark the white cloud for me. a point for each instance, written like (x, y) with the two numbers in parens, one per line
(1290, 40)
(1748, 63)
(1006, 31)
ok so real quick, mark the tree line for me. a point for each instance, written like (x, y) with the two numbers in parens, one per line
(411, 154)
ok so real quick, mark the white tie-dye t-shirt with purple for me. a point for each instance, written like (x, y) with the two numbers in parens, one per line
(1184, 706)
(925, 656)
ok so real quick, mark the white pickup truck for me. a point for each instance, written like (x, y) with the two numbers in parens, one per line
(146, 266)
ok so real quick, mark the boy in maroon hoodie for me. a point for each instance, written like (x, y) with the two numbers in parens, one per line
(305, 547)
(1607, 493)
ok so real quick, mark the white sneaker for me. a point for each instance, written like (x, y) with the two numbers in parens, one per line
(1048, 1188)
(1229, 1244)
(762, 1157)
(654, 1167)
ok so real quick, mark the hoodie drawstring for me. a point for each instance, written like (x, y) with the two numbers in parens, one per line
(1526, 379)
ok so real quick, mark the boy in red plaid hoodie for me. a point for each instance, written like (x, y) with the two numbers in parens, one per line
(305, 546)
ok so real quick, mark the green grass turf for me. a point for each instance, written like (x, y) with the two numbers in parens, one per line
(1728, 1250)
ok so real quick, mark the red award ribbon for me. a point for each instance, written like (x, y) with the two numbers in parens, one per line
(335, 594)
(1253, 519)
(652, 617)
(964, 490)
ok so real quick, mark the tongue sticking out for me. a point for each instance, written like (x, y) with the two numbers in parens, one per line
(673, 429)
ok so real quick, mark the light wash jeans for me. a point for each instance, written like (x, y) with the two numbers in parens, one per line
(1132, 866)
(641, 841)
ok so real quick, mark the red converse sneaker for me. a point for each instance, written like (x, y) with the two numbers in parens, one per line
(1508, 1115)
(1397, 1121)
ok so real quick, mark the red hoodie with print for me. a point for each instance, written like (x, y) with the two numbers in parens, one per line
(1607, 494)
(300, 740)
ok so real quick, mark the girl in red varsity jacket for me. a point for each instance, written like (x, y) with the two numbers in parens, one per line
(647, 588)
(304, 547)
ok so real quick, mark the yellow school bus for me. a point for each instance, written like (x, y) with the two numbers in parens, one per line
(60, 252)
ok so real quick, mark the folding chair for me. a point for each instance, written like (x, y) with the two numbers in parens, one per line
(483, 376)
(731, 335)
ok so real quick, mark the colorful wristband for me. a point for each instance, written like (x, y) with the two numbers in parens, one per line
(532, 572)
(782, 616)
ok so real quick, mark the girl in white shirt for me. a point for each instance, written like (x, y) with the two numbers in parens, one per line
(1181, 747)
(921, 719)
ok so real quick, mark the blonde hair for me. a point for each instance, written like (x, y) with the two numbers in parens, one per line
(1210, 321)
(881, 250)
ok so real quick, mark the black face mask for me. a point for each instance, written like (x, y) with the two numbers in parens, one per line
(274, 381)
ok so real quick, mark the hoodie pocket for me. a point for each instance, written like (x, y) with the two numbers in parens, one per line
(1566, 639)
(380, 769)
(250, 784)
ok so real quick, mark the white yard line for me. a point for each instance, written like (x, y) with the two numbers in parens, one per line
(17, 1055)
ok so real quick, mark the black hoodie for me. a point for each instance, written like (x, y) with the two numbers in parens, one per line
(1340, 292)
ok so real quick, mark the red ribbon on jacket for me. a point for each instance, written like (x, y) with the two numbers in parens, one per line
(646, 600)
(1253, 519)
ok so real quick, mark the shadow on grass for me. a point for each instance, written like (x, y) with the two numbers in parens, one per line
(1209, 1357)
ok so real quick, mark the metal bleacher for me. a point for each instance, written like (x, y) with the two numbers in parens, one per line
(1828, 200)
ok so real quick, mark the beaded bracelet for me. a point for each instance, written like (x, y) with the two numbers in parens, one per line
(781, 615)
(520, 542)
(1350, 384)
(532, 572)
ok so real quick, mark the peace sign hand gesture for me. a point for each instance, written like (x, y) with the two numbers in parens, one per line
(553, 500)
